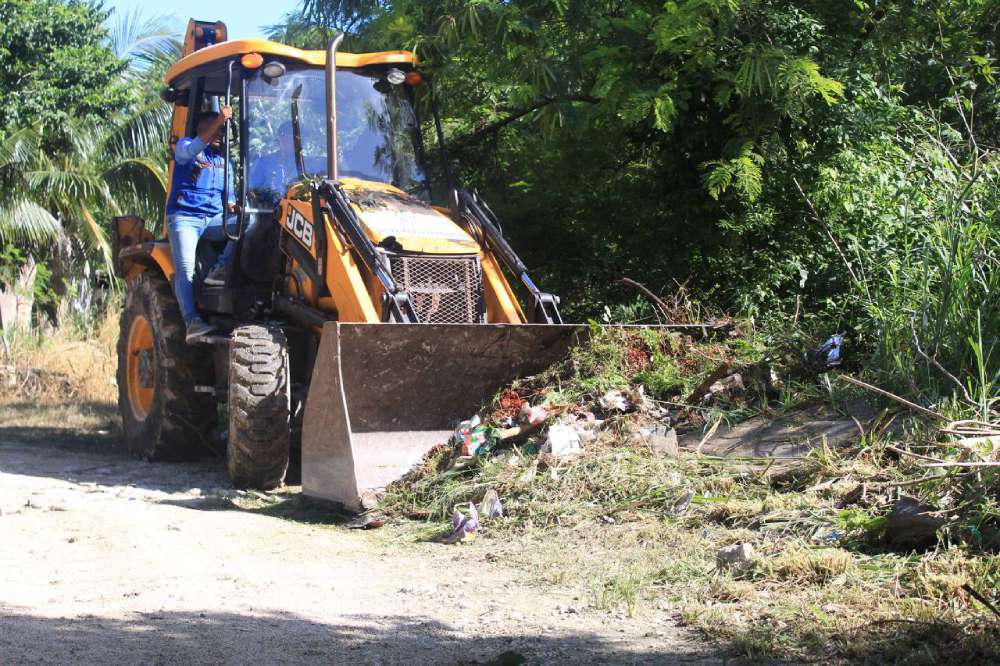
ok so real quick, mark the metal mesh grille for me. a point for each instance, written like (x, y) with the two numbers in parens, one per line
(444, 290)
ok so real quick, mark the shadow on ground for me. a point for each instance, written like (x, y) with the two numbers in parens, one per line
(287, 505)
(85, 423)
(228, 638)
(82, 443)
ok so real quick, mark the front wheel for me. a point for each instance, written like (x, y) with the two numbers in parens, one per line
(259, 407)
(163, 417)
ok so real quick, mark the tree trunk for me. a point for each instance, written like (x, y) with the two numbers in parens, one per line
(17, 300)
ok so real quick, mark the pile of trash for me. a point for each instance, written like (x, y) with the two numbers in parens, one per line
(560, 430)
(555, 433)
(550, 431)
(533, 418)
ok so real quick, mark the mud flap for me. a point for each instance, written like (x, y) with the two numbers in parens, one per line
(382, 395)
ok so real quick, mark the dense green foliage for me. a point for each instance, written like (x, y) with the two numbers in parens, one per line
(55, 65)
(81, 131)
(825, 158)
(830, 161)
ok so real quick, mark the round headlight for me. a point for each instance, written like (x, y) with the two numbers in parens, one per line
(395, 76)
(274, 69)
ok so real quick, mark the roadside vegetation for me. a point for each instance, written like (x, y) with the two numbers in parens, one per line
(59, 383)
(831, 576)
(811, 168)
(82, 139)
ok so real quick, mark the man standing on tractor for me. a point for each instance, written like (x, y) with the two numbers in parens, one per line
(194, 209)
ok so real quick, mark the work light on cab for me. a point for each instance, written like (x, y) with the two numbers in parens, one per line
(274, 69)
(252, 60)
(395, 76)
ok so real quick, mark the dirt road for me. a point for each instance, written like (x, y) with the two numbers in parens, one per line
(108, 560)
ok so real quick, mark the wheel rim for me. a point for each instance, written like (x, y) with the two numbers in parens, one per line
(140, 368)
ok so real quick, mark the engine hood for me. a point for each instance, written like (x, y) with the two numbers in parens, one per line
(387, 211)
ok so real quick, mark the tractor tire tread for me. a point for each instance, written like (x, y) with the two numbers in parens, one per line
(259, 407)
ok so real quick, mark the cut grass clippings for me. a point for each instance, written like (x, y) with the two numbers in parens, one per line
(603, 524)
(612, 523)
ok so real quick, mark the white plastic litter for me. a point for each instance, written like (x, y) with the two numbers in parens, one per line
(562, 440)
(614, 401)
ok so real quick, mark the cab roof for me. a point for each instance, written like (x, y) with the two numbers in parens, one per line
(223, 51)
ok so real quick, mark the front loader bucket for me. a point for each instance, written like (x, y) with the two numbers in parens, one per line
(382, 395)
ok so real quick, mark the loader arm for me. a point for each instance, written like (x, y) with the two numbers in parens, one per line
(326, 241)
(477, 213)
(341, 257)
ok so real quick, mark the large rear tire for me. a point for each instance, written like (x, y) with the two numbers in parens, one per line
(259, 407)
(163, 418)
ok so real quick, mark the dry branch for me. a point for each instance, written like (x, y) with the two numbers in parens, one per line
(918, 456)
(980, 598)
(658, 304)
(892, 396)
(963, 464)
(940, 368)
(517, 114)
(703, 388)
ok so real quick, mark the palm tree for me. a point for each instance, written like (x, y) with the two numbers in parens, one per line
(144, 42)
(96, 171)
(100, 172)
(23, 220)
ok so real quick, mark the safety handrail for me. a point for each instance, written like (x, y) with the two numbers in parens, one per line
(225, 160)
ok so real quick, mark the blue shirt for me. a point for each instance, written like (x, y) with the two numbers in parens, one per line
(196, 187)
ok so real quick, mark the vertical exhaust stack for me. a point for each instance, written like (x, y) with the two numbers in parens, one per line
(383, 395)
(332, 168)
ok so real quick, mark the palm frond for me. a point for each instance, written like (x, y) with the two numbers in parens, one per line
(140, 134)
(144, 171)
(25, 221)
(54, 183)
(139, 186)
(96, 236)
(142, 39)
(19, 147)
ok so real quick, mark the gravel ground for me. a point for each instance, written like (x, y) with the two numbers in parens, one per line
(108, 560)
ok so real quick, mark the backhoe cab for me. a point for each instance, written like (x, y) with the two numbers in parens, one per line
(356, 318)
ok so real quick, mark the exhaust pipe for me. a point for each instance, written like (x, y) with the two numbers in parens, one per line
(332, 171)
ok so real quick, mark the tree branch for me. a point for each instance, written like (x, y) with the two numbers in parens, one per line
(829, 234)
(514, 116)
(659, 307)
(934, 362)
(892, 396)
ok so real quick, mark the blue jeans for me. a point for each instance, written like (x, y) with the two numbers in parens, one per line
(184, 231)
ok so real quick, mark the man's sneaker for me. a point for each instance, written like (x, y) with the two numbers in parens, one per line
(196, 330)
(216, 278)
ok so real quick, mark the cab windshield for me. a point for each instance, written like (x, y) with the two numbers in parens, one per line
(377, 131)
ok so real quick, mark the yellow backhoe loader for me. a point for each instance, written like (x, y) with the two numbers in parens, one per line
(357, 321)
